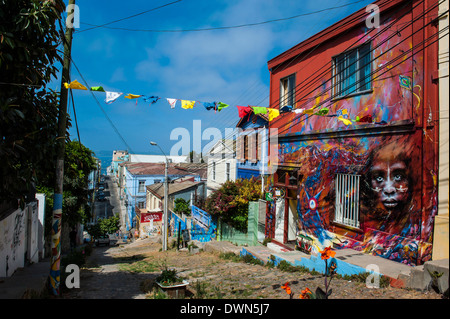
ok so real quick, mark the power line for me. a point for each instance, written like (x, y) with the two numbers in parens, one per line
(219, 28)
(129, 17)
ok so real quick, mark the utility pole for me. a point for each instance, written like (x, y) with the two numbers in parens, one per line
(166, 200)
(55, 271)
(166, 203)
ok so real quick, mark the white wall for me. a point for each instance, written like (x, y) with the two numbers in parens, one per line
(215, 156)
(22, 237)
(12, 242)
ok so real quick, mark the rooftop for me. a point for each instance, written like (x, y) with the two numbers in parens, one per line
(157, 189)
(181, 169)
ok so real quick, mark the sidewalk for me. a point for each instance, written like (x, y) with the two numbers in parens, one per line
(349, 262)
(25, 281)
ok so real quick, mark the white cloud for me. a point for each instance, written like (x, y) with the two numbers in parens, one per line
(118, 75)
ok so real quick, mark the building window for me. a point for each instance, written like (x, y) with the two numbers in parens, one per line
(228, 171)
(352, 72)
(141, 205)
(246, 147)
(287, 91)
(214, 171)
(347, 200)
(141, 188)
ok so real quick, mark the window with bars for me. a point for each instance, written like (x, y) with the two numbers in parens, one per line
(347, 199)
(352, 72)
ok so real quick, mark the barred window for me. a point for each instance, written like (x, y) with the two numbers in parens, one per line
(347, 199)
(352, 72)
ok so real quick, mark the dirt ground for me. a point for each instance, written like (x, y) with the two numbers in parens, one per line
(129, 272)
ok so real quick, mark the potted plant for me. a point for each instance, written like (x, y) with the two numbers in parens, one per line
(171, 283)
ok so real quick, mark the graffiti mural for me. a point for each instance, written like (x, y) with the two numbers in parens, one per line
(390, 194)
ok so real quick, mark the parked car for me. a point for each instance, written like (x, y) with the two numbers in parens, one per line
(102, 240)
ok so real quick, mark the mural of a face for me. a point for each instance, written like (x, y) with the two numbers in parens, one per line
(390, 185)
(389, 181)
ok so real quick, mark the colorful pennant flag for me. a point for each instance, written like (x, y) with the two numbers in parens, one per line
(132, 96)
(150, 99)
(221, 106)
(286, 108)
(259, 110)
(185, 104)
(172, 102)
(364, 119)
(243, 110)
(344, 120)
(112, 96)
(323, 111)
(210, 105)
(273, 113)
(75, 85)
(97, 89)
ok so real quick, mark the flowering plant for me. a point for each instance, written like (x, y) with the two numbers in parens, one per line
(330, 270)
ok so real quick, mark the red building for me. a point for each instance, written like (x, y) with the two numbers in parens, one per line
(358, 141)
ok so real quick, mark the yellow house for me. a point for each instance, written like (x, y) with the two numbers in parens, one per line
(441, 235)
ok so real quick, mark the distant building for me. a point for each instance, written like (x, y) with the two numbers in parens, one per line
(136, 176)
(221, 164)
(252, 145)
(118, 157)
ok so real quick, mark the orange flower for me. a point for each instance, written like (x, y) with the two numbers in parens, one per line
(287, 288)
(306, 294)
(327, 253)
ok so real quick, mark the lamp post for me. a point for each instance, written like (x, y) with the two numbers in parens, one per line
(166, 202)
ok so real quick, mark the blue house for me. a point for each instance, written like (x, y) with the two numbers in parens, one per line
(252, 146)
(118, 157)
(139, 175)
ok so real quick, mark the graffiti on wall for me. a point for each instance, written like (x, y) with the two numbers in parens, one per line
(390, 195)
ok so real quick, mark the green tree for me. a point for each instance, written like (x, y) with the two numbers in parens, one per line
(230, 201)
(29, 39)
(78, 163)
(104, 226)
(182, 206)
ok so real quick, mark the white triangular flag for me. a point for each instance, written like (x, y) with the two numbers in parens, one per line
(172, 102)
(112, 96)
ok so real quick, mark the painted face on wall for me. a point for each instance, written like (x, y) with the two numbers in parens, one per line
(389, 181)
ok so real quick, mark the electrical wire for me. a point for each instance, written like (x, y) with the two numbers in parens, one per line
(129, 17)
(224, 27)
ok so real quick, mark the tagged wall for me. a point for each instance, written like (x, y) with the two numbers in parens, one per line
(392, 222)
(12, 242)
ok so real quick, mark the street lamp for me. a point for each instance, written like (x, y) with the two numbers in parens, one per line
(166, 202)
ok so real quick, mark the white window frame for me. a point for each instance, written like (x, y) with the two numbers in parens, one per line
(141, 186)
(347, 199)
(287, 90)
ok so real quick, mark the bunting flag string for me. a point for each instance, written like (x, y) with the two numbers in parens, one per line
(271, 113)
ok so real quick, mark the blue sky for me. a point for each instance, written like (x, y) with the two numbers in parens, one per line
(227, 65)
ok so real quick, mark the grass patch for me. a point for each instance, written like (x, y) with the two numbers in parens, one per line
(139, 267)
(248, 259)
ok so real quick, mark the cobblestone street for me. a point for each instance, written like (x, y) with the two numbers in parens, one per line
(129, 271)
